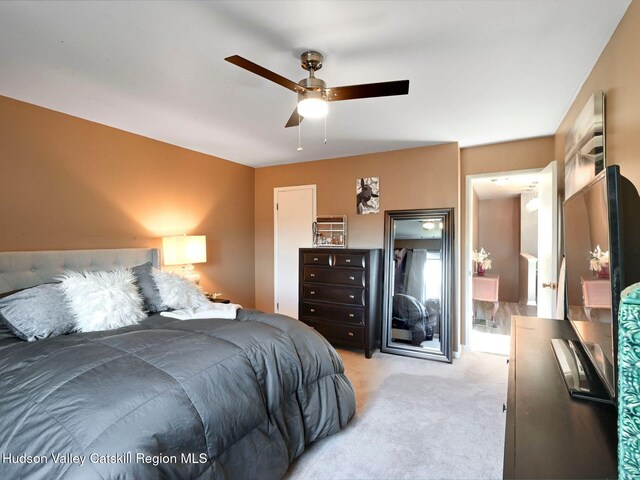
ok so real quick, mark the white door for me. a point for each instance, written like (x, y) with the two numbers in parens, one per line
(548, 241)
(294, 213)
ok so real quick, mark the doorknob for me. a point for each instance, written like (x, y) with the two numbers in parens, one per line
(552, 286)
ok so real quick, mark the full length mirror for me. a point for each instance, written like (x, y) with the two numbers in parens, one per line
(418, 283)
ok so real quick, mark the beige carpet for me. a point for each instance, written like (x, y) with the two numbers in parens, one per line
(416, 419)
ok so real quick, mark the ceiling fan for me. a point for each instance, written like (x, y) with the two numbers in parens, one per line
(313, 93)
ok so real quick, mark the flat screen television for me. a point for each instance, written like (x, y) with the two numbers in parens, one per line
(602, 257)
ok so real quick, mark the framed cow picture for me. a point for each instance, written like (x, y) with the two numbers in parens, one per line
(368, 195)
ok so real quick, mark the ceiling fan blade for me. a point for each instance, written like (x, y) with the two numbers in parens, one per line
(294, 119)
(263, 72)
(368, 90)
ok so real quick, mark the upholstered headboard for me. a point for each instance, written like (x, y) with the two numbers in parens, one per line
(27, 269)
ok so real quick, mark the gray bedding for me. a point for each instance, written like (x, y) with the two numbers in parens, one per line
(169, 399)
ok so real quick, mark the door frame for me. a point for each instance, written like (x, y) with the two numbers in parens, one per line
(276, 190)
(556, 208)
(467, 302)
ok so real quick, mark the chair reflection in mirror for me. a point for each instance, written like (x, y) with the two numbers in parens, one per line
(596, 294)
(414, 315)
(485, 289)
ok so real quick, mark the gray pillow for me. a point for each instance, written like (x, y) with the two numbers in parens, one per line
(37, 313)
(148, 289)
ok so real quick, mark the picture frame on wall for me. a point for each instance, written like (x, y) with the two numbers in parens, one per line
(585, 145)
(367, 195)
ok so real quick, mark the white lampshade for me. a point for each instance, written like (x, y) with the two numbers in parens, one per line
(184, 249)
(312, 104)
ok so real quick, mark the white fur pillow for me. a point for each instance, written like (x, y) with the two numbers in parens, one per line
(178, 292)
(103, 300)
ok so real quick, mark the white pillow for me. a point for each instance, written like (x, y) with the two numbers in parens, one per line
(178, 292)
(103, 300)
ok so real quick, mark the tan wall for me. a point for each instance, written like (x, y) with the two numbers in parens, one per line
(425, 177)
(499, 157)
(499, 234)
(508, 156)
(68, 183)
(617, 72)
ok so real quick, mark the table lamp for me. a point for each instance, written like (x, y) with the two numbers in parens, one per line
(185, 250)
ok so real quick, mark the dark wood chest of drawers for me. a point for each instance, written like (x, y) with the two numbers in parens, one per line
(340, 295)
(548, 433)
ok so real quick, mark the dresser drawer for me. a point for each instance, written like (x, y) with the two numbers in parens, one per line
(327, 293)
(349, 260)
(341, 276)
(316, 259)
(341, 333)
(333, 313)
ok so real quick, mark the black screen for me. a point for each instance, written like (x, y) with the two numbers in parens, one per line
(589, 295)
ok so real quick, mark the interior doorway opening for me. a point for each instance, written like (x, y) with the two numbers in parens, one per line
(502, 244)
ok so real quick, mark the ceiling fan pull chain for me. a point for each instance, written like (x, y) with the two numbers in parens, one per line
(299, 128)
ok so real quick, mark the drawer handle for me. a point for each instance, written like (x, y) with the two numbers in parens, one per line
(313, 275)
(352, 277)
(351, 334)
(315, 259)
(351, 296)
(504, 407)
(312, 293)
(351, 315)
(348, 260)
(312, 310)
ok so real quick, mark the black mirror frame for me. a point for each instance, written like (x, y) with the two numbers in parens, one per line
(448, 284)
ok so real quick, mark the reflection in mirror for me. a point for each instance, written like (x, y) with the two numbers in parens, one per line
(417, 283)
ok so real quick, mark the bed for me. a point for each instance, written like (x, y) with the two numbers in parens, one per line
(165, 398)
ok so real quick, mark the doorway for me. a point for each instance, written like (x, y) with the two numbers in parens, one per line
(294, 210)
(511, 250)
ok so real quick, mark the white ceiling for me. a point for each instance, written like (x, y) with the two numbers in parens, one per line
(414, 230)
(481, 71)
(506, 185)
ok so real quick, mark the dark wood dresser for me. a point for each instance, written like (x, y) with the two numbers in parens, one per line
(340, 295)
(549, 434)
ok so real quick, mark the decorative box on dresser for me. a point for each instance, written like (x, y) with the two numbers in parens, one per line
(340, 295)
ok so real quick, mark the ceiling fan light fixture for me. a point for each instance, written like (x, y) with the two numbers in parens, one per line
(312, 105)
(428, 225)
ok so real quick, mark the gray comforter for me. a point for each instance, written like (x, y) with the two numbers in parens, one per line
(170, 399)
